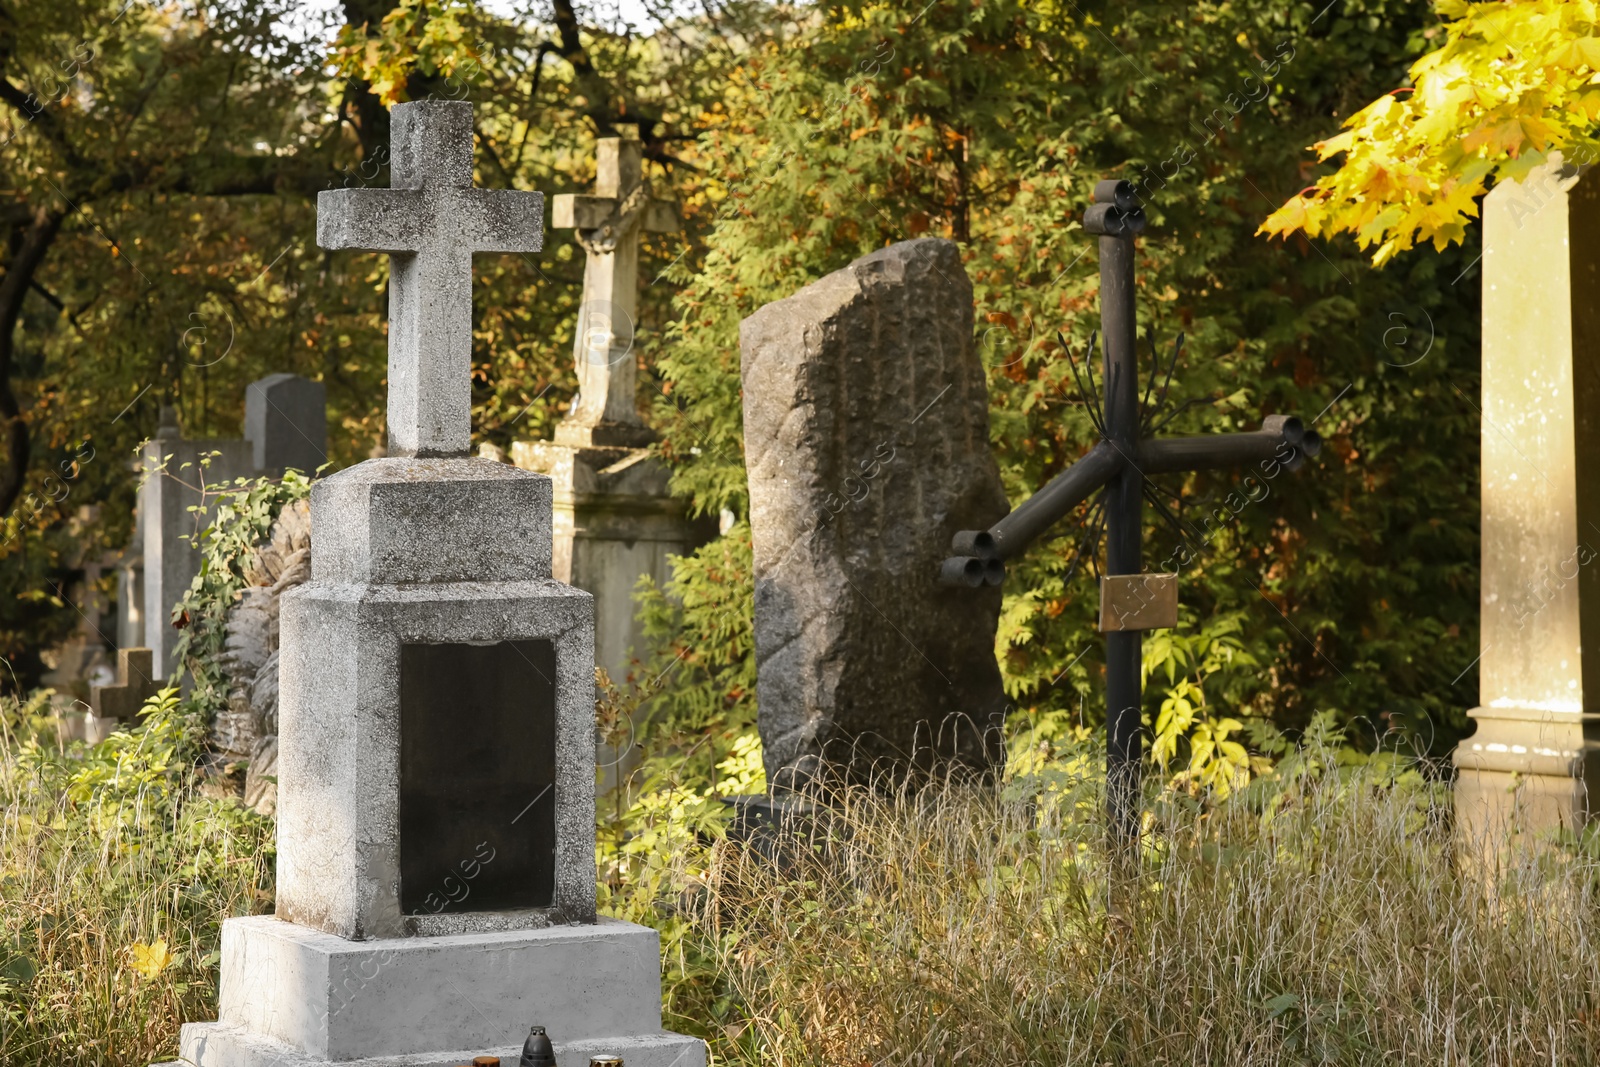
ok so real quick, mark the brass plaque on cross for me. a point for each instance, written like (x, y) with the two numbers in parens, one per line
(1138, 602)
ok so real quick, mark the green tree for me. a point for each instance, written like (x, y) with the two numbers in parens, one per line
(989, 123)
(161, 168)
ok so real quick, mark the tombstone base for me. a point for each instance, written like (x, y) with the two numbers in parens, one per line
(1523, 772)
(615, 520)
(296, 997)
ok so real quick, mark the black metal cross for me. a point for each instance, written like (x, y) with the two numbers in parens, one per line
(1120, 463)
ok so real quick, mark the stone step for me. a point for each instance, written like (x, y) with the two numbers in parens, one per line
(292, 997)
(220, 1045)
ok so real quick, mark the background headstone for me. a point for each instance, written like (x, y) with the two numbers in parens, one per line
(1533, 764)
(285, 426)
(84, 660)
(116, 705)
(614, 517)
(866, 429)
(286, 423)
(129, 564)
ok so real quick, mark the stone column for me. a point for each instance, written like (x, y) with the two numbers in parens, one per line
(1532, 764)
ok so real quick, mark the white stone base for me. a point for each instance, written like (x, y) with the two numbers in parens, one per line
(296, 997)
(206, 1044)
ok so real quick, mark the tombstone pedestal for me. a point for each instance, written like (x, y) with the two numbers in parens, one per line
(614, 521)
(293, 997)
(436, 878)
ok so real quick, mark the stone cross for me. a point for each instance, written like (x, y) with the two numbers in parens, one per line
(608, 225)
(1119, 467)
(430, 221)
(1534, 762)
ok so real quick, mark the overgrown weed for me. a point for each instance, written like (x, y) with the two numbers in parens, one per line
(1323, 917)
(115, 876)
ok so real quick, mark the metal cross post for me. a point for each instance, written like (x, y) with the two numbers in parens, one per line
(1120, 464)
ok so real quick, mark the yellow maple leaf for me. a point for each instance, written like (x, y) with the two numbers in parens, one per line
(150, 960)
(1506, 136)
(1294, 215)
(1582, 52)
(1334, 145)
(1511, 83)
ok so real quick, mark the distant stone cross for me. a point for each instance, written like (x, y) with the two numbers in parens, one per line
(608, 225)
(430, 220)
(1118, 467)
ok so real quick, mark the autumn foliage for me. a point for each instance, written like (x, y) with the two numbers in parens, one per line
(1513, 85)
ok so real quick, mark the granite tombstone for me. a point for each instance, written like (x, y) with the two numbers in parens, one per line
(866, 424)
(436, 876)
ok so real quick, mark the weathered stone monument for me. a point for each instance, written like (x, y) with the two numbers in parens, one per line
(436, 876)
(614, 518)
(246, 730)
(1534, 762)
(866, 426)
(285, 426)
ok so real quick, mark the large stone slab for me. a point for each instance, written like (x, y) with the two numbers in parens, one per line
(867, 443)
(294, 996)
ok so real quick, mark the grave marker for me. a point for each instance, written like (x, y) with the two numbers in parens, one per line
(1118, 467)
(615, 518)
(114, 706)
(607, 226)
(436, 872)
(286, 423)
(285, 426)
(866, 427)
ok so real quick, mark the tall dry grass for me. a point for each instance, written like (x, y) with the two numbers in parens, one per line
(1322, 921)
(1320, 917)
(115, 876)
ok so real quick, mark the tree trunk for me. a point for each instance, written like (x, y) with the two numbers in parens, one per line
(30, 253)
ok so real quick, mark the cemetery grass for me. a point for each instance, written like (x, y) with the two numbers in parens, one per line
(1322, 916)
(1319, 915)
(115, 875)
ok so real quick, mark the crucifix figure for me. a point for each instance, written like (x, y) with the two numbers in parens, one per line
(1120, 464)
(430, 221)
(608, 225)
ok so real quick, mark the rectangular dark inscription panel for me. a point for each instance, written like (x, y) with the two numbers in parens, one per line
(477, 776)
